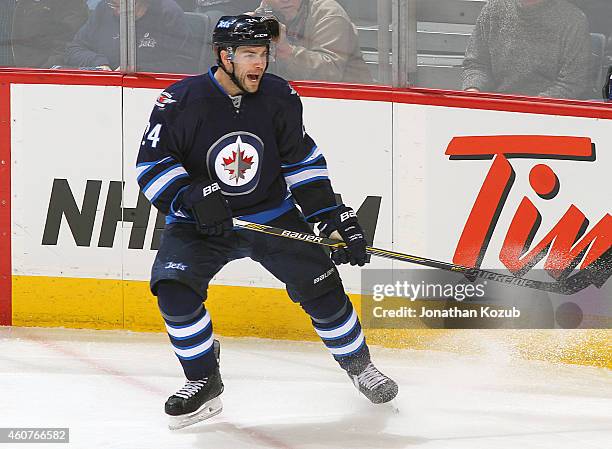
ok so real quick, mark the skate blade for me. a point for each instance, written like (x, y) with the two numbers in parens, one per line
(208, 410)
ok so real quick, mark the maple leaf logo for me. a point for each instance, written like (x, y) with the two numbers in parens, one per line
(238, 163)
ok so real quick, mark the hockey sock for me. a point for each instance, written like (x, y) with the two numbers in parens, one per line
(189, 327)
(337, 323)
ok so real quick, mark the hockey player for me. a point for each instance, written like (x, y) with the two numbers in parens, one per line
(231, 143)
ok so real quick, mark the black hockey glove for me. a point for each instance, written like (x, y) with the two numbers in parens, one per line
(344, 220)
(212, 213)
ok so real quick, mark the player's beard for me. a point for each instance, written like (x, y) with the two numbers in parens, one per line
(247, 85)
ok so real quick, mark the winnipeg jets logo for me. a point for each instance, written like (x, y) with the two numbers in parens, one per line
(147, 41)
(234, 161)
(164, 99)
(225, 23)
(238, 163)
(175, 266)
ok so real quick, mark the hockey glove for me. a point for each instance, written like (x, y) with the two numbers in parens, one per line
(212, 213)
(344, 220)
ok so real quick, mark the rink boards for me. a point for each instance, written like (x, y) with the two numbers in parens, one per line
(76, 247)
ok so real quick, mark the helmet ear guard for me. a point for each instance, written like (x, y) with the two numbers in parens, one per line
(230, 53)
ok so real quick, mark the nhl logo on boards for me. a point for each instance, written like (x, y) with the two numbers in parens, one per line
(234, 160)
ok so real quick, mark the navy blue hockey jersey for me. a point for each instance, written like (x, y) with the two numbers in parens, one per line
(255, 147)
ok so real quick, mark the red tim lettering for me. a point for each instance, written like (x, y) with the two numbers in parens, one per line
(566, 244)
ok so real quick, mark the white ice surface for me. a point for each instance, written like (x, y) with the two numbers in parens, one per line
(109, 388)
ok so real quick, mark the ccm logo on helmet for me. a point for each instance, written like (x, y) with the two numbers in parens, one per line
(210, 189)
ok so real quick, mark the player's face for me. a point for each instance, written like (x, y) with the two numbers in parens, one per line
(287, 8)
(250, 65)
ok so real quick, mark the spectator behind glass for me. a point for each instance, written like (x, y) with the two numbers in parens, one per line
(318, 42)
(162, 40)
(34, 33)
(529, 47)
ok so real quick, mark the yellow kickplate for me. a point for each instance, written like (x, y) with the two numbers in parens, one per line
(269, 313)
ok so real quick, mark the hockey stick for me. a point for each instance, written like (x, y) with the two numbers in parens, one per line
(566, 286)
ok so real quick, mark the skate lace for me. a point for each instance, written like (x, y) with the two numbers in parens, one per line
(371, 378)
(190, 388)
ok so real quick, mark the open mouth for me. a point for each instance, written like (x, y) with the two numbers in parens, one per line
(253, 78)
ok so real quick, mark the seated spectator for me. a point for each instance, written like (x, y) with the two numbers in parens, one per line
(162, 40)
(529, 47)
(318, 42)
(34, 33)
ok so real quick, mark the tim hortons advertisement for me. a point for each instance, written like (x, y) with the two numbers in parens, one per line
(526, 193)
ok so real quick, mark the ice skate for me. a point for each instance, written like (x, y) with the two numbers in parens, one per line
(198, 400)
(375, 386)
